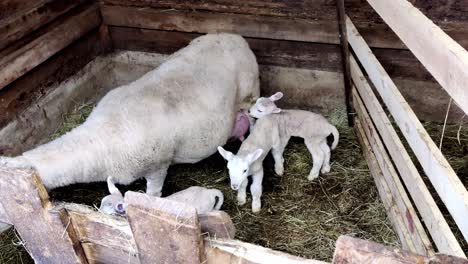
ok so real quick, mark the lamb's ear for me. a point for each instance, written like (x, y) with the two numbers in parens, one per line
(276, 110)
(276, 96)
(252, 157)
(226, 154)
(111, 186)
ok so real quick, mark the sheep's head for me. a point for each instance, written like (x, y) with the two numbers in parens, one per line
(265, 106)
(114, 202)
(239, 167)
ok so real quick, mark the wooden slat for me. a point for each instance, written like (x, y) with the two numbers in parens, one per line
(226, 251)
(410, 219)
(440, 54)
(165, 231)
(29, 56)
(443, 178)
(9, 8)
(217, 224)
(18, 26)
(45, 234)
(97, 254)
(206, 22)
(430, 213)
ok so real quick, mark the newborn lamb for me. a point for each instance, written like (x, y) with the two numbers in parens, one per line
(273, 132)
(203, 199)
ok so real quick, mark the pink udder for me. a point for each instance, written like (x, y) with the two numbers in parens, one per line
(241, 126)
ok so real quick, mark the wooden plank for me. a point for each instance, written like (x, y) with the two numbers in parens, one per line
(393, 212)
(345, 55)
(46, 235)
(410, 219)
(9, 8)
(354, 250)
(430, 213)
(270, 52)
(97, 254)
(16, 27)
(29, 56)
(217, 224)
(227, 251)
(443, 178)
(165, 231)
(440, 54)
(207, 22)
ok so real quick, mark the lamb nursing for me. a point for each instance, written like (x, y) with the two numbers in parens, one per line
(178, 113)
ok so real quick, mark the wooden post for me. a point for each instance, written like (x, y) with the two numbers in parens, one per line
(165, 231)
(47, 236)
(345, 58)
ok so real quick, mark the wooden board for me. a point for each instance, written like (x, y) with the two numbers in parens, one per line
(97, 254)
(443, 178)
(430, 213)
(17, 63)
(46, 235)
(17, 26)
(440, 54)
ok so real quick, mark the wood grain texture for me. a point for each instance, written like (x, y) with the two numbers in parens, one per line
(165, 231)
(45, 234)
(217, 224)
(22, 60)
(97, 254)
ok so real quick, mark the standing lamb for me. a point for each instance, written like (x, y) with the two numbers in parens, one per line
(178, 113)
(203, 199)
(272, 132)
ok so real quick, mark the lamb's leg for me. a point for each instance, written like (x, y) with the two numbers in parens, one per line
(326, 160)
(277, 152)
(241, 193)
(155, 181)
(256, 190)
(317, 156)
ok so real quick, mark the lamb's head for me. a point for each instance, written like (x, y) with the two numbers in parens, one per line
(265, 106)
(114, 202)
(238, 166)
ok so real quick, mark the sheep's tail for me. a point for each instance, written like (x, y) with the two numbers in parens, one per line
(218, 194)
(15, 162)
(336, 135)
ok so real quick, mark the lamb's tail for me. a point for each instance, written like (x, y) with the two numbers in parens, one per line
(15, 162)
(336, 135)
(220, 199)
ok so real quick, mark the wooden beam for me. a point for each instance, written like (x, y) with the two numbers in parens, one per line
(399, 196)
(430, 213)
(440, 54)
(98, 254)
(442, 176)
(207, 22)
(165, 231)
(345, 60)
(47, 236)
(225, 251)
(19, 25)
(217, 224)
(351, 250)
(32, 54)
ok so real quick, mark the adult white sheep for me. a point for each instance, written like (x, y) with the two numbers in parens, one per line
(178, 113)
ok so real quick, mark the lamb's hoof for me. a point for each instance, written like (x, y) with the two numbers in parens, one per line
(279, 171)
(325, 169)
(256, 207)
(241, 201)
(312, 177)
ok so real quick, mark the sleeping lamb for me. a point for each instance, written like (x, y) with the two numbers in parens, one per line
(204, 200)
(178, 113)
(272, 132)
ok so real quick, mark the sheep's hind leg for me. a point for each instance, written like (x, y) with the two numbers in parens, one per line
(256, 190)
(155, 181)
(241, 193)
(326, 161)
(317, 156)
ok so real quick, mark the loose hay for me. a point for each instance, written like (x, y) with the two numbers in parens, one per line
(299, 217)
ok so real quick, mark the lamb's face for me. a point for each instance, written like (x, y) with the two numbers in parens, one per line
(238, 171)
(265, 106)
(113, 205)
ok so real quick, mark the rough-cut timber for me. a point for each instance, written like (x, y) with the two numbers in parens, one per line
(351, 250)
(47, 236)
(17, 26)
(149, 217)
(15, 64)
(442, 176)
(217, 224)
(430, 213)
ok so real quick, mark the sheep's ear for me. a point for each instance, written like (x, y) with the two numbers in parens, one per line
(226, 154)
(276, 96)
(276, 110)
(252, 157)
(111, 186)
